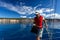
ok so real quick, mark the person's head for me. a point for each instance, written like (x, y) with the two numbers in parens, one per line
(37, 14)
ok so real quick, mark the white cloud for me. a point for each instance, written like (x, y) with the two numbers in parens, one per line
(40, 10)
(18, 9)
(23, 16)
(53, 16)
(37, 6)
(29, 10)
(43, 14)
(49, 10)
(30, 17)
(24, 9)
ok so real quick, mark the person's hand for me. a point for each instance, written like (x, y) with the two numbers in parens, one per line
(46, 26)
(34, 24)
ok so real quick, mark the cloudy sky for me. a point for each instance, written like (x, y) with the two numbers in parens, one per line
(27, 8)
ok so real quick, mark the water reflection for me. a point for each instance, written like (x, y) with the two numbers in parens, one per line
(20, 29)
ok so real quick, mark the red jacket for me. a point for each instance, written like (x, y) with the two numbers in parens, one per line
(39, 21)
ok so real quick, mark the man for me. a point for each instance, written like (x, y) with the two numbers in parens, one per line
(38, 22)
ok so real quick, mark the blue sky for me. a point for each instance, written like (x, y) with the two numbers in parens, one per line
(27, 8)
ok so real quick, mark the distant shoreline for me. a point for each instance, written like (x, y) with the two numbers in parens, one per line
(16, 18)
(23, 20)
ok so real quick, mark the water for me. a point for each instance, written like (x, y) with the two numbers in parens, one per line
(21, 31)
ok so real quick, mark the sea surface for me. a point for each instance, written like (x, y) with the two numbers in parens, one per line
(21, 31)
